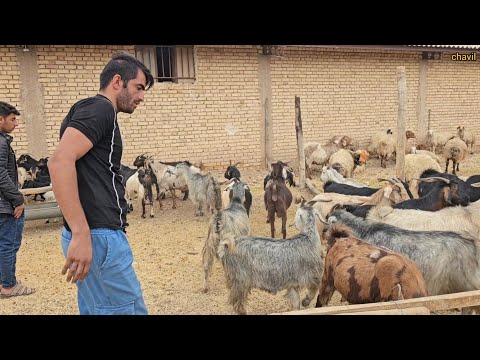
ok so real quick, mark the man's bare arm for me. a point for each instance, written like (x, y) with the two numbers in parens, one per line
(73, 145)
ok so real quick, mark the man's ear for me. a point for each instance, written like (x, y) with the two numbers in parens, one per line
(117, 82)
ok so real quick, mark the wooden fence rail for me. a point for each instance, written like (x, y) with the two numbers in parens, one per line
(432, 303)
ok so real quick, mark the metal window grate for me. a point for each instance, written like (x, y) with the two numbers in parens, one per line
(169, 63)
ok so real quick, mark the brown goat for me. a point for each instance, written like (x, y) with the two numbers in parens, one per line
(278, 198)
(364, 273)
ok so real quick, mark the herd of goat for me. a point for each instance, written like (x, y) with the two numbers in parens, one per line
(410, 238)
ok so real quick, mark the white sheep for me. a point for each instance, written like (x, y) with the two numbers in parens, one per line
(456, 150)
(383, 143)
(415, 165)
(414, 150)
(437, 139)
(342, 161)
(466, 136)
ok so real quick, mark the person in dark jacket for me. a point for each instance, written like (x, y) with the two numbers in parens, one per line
(12, 215)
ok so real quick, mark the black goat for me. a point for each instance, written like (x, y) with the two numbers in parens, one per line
(331, 187)
(232, 171)
(472, 192)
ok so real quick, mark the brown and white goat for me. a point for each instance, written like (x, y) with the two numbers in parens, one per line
(365, 273)
(277, 198)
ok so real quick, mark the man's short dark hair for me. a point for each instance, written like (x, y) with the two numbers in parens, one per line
(127, 67)
(7, 109)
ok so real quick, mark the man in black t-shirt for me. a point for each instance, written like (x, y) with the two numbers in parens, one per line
(94, 208)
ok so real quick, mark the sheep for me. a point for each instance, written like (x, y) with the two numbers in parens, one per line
(437, 139)
(204, 189)
(383, 144)
(456, 150)
(343, 161)
(316, 154)
(277, 198)
(466, 136)
(448, 261)
(273, 265)
(331, 175)
(364, 273)
(416, 164)
(231, 221)
(414, 150)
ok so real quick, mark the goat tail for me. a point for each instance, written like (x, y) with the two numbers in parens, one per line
(226, 247)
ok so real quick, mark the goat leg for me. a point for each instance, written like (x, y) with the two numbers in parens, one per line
(294, 298)
(312, 290)
(446, 167)
(143, 208)
(284, 225)
(271, 219)
(172, 191)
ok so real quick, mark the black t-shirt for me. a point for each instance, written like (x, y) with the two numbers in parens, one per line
(100, 188)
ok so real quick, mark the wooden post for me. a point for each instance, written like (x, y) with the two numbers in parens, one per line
(402, 113)
(301, 153)
(422, 126)
(268, 135)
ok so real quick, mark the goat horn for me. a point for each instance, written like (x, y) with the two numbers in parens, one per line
(317, 214)
(237, 163)
(227, 182)
(230, 163)
(391, 181)
(434, 178)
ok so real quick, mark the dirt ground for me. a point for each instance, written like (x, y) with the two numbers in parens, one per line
(167, 252)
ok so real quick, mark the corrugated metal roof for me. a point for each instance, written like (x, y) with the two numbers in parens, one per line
(450, 46)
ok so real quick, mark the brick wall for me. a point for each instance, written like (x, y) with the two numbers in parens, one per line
(10, 92)
(219, 117)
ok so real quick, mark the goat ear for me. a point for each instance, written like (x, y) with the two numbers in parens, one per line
(302, 203)
(477, 184)
(387, 191)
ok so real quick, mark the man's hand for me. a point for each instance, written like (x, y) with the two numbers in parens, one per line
(17, 212)
(79, 257)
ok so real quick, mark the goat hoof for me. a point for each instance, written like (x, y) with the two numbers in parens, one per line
(268, 221)
(306, 302)
(151, 216)
(143, 216)
(174, 207)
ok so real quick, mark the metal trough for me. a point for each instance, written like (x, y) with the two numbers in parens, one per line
(48, 210)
